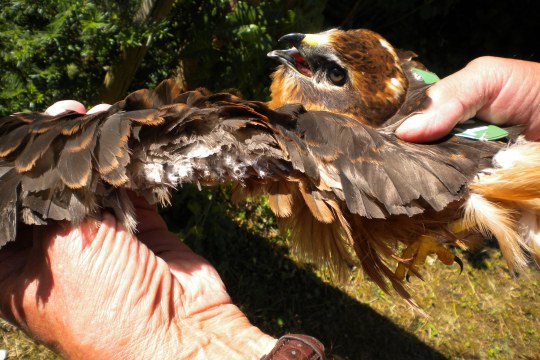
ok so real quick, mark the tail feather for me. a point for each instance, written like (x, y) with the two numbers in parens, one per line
(494, 218)
(505, 201)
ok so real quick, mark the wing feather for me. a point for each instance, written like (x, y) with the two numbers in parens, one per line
(329, 177)
(9, 184)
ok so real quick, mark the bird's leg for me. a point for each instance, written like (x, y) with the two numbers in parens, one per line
(418, 251)
(459, 226)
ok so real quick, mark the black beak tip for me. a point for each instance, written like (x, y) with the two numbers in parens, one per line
(293, 39)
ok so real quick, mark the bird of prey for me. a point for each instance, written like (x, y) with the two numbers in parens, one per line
(323, 150)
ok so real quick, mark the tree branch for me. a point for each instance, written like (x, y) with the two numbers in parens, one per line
(120, 75)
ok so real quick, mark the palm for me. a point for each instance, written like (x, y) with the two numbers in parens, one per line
(98, 285)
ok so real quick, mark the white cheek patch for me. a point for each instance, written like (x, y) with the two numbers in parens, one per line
(396, 87)
(323, 85)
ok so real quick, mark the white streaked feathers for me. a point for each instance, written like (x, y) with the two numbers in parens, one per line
(503, 202)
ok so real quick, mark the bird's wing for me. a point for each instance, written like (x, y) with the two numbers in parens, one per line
(346, 173)
(326, 174)
(381, 175)
(72, 166)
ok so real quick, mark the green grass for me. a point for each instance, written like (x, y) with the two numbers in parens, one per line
(21, 347)
(484, 313)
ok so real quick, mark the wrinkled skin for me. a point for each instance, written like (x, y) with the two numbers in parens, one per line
(497, 90)
(97, 291)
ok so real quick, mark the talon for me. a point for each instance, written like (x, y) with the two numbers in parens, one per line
(418, 252)
(460, 263)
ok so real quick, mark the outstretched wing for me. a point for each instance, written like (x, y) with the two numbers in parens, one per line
(326, 174)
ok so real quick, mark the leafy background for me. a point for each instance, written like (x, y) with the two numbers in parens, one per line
(99, 50)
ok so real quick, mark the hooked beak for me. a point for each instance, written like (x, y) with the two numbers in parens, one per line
(293, 57)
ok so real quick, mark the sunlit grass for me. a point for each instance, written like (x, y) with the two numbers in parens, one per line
(19, 346)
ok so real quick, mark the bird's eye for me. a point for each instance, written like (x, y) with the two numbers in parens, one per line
(337, 75)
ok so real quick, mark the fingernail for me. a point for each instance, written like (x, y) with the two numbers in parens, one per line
(98, 108)
(413, 127)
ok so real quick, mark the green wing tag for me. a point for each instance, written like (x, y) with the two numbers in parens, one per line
(479, 130)
(427, 76)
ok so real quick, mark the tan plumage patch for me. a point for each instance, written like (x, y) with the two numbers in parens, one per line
(35, 148)
(280, 198)
(499, 220)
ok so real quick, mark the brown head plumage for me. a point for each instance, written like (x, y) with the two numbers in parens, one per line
(355, 73)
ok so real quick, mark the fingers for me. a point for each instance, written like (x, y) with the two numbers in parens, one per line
(72, 105)
(435, 123)
(64, 105)
(492, 89)
(456, 98)
(98, 108)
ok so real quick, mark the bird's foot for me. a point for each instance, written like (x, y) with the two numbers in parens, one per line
(416, 253)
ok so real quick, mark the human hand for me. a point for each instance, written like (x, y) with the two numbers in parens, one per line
(496, 90)
(95, 291)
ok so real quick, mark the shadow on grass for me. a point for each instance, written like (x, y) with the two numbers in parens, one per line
(280, 297)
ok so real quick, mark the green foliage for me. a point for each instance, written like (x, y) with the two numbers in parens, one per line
(223, 44)
(52, 50)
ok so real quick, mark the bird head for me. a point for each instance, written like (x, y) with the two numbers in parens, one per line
(356, 73)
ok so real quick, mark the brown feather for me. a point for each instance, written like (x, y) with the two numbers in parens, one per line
(113, 136)
(9, 183)
(86, 136)
(75, 168)
(10, 141)
(280, 198)
(35, 148)
(318, 207)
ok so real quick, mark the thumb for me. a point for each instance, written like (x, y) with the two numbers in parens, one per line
(493, 89)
